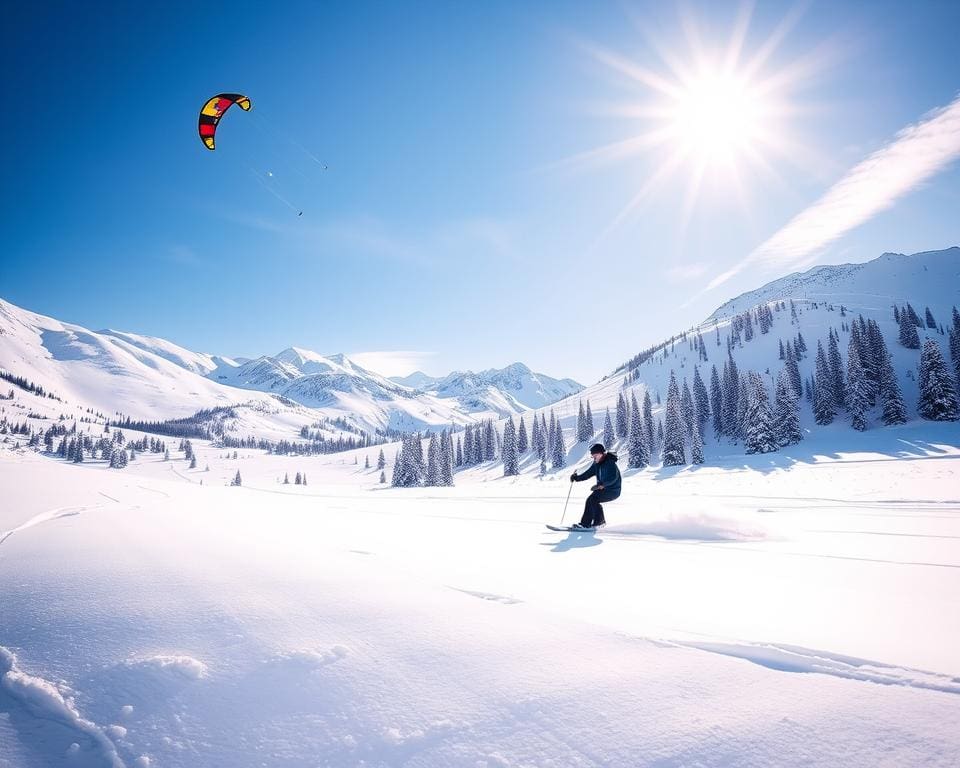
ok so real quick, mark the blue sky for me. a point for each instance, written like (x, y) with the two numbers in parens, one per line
(458, 210)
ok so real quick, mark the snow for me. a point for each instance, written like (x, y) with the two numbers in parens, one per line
(797, 608)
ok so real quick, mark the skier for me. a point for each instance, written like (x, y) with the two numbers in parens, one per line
(604, 468)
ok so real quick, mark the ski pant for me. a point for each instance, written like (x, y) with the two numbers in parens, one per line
(592, 511)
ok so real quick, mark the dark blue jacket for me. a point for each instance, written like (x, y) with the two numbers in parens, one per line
(606, 472)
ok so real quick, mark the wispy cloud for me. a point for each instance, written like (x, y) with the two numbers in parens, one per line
(683, 272)
(916, 153)
(398, 362)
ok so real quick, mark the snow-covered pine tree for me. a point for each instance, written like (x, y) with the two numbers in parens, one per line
(786, 412)
(835, 364)
(716, 401)
(659, 432)
(297, 480)
(446, 459)
(674, 429)
(908, 336)
(588, 420)
(286, 478)
(696, 445)
(638, 456)
(383, 477)
(608, 435)
(551, 434)
(559, 455)
(623, 428)
(938, 393)
(701, 402)
(397, 477)
(793, 370)
(381, 460)
(522, 445)
(891, 399)
(536, 437)
(758, 423)
(433, 462)
(731, 387)
(648, 422)
(823, 409)
(511, 458)
(582, 425)
(931, 323)
(858, 392)
(237, 480)
(743, 401)
(366, 462)
(686, 409)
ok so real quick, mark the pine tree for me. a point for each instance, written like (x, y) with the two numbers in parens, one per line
(383, 477)
(823, 409)
(446, 459)
(522, 438)
(673, 431)
(638, 457)
(835, 364)
(731, 397)
(582, 434)
(696, 446)
(286, 478)
(622, 426)
(433, 462)
(913, 316)
(237, 480)
(366, 462)
(716, 401)
(296, 480)
(701, 402)
(381, 460)
(786, 412)
(608, 436)
(536, 438)
(894, 410)
(931, 323)
(511, 459)
(908, 337)
(858, 397)
(686, 409)
(758, 424)
(559, 456)
(793, 370)
(938, 394)
(648, 421)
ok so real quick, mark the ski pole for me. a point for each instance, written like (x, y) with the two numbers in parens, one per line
(565, 504)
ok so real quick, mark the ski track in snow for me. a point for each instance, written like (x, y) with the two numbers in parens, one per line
(791, 658)
(43, 517)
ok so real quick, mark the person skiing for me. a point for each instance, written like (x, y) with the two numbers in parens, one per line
(604, 468)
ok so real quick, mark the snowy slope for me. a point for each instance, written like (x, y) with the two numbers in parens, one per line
(893, 278)
(742, 615)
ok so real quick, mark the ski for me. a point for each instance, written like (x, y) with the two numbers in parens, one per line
(569, 528)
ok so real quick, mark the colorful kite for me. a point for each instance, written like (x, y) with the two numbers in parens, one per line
(212, 112)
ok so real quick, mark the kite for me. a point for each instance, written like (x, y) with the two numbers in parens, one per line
(212, 112)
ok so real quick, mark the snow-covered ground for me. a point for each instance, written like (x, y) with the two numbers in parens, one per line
(797, 608)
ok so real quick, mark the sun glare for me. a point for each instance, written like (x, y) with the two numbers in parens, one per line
(713, 116)
(716, 117)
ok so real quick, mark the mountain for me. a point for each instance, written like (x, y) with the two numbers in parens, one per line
(893, 278)
(147, 378)
(824, 299)
(509, 390)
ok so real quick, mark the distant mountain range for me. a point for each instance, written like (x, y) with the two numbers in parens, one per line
(150, 378)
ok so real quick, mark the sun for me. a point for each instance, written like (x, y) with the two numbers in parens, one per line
(715, 115)
(715, 118)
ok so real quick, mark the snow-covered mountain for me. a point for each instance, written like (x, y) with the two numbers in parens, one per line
(507, 391)
(147, 378)
(893, 278)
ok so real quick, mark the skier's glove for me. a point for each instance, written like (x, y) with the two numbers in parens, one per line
(597, 488)
(573, 477)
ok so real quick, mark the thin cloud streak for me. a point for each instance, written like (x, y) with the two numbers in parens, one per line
(917, 153)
